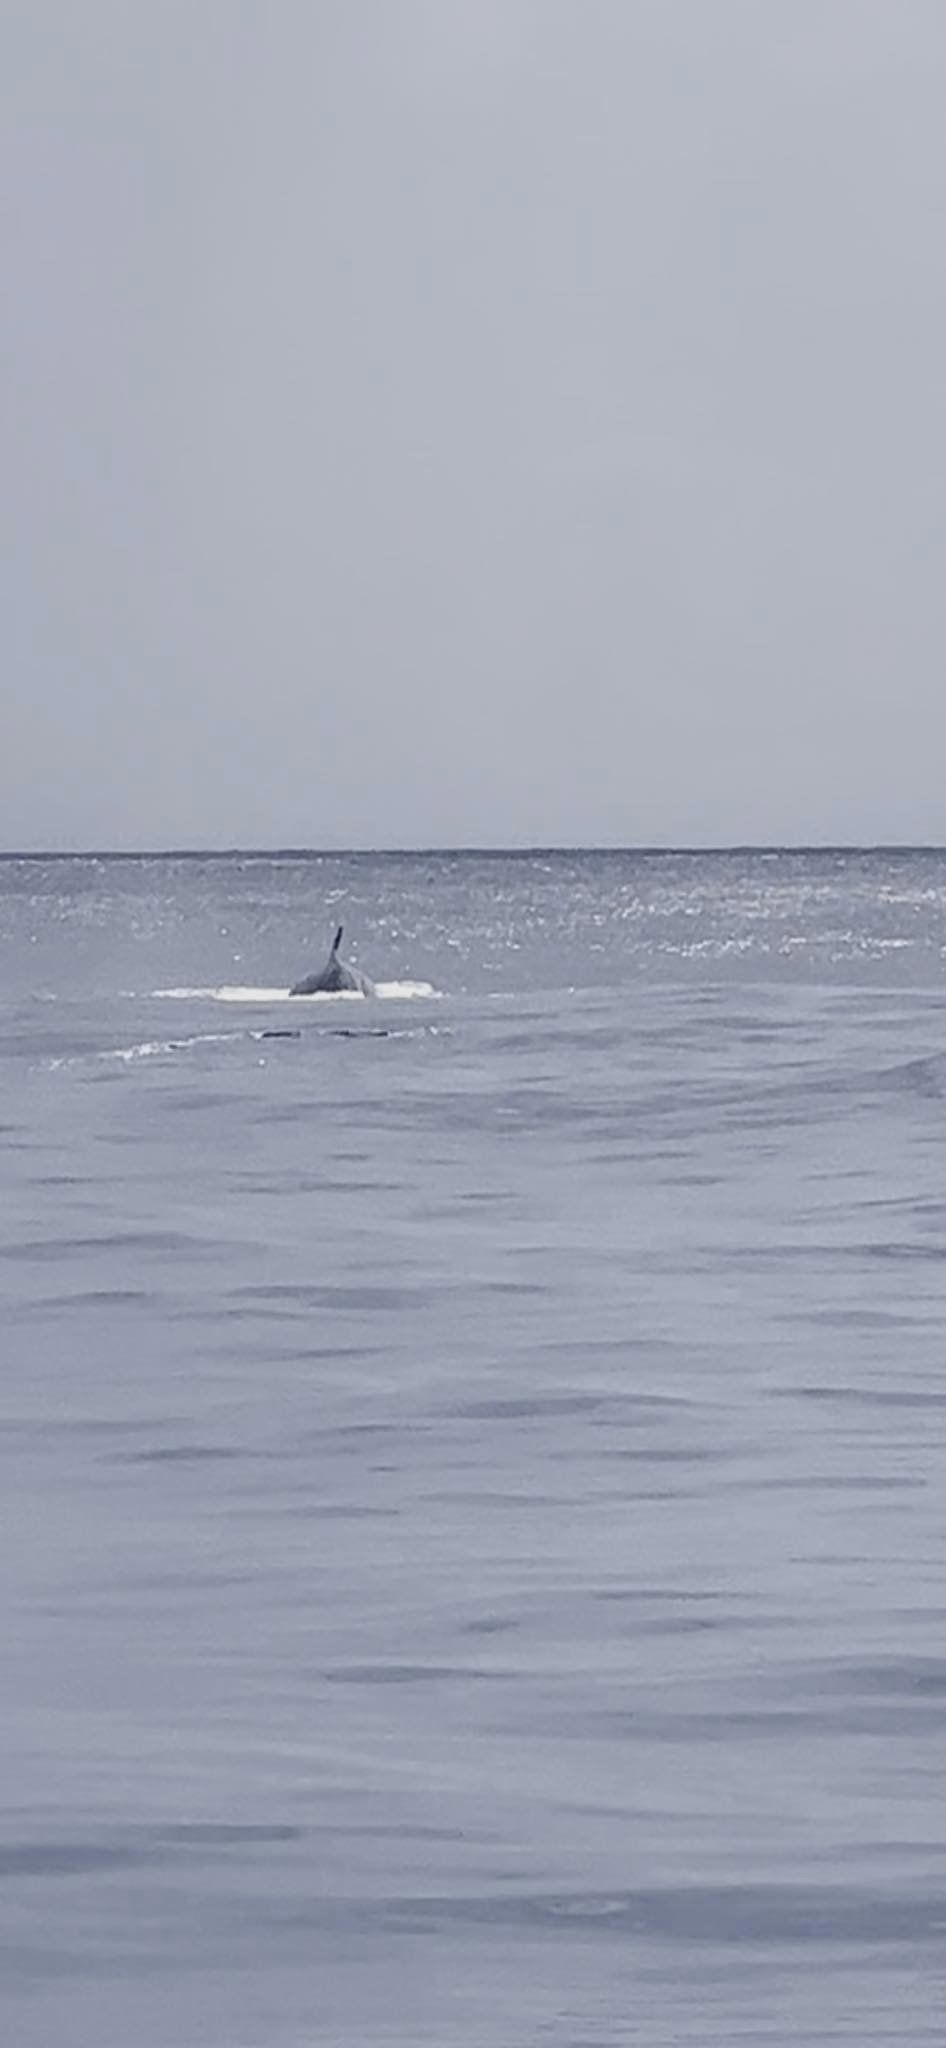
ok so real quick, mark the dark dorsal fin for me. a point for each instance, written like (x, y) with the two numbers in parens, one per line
(336, 942)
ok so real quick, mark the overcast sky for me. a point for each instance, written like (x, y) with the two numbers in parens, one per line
(473, 421)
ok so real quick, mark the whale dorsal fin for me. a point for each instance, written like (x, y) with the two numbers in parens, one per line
(336, 942)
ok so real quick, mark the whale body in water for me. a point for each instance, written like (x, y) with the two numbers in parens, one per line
(335, 978)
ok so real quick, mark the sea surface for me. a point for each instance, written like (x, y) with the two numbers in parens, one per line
(473, 1470)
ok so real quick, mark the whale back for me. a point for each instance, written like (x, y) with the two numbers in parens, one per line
(335, 978)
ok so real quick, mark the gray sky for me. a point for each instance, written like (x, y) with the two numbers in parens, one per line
(473, 421)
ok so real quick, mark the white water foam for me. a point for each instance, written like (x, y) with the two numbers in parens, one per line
(386, 991)
(147, 1049)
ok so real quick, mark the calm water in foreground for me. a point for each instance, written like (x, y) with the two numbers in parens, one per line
(474, 1470)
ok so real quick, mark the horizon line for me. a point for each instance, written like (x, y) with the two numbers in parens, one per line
(645, 849)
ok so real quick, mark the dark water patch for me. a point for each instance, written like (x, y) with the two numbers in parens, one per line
(872, 1397)
(310, 1110)
(65, 1859)
(487, 1496)
(305, 1297)
(629, 1346)
(195, 1101)
(682, 1624)
(491, 1625)
(402, 1831)
(194, 1580)
(506, 1116)
(929, 1208)
(317, 1354)
(821, 1254)
(834, 1482)
(176, 1244)
(337, 1511)
(662, 1454)
(410, 1674)
(807, 1722)
(909, 1677)
(512, 1287)
(351, 1185)
(90, 1299)
(182, 1454)
(904, 1249)
(40, 1251)
(226, 1834)
(281, 1350)
(351, 1432)
(676, 1615)
(79, 1426)
(133, 1848)
(60, 1180)
(275, 1188)
(515, 1408)
(582, 1038)
(696, 1180)
(698, 1596)
(606, 1409)
(854, 1318)
(924, 1077)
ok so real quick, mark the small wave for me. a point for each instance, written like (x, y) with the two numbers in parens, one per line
(151, 1049)
(387, 991)
(164, 1048)
(147, 1048)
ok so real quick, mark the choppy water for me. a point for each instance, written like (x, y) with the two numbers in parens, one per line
(474, 1471)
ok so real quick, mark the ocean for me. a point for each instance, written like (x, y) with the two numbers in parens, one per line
(473, 1469)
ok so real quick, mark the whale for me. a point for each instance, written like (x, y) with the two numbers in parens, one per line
(335, 978)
